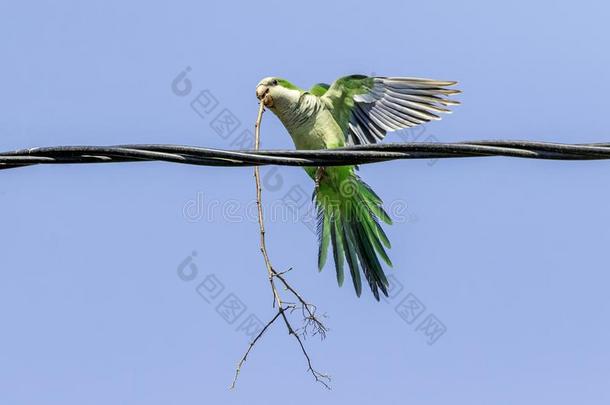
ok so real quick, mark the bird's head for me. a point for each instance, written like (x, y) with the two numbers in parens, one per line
(275, 92)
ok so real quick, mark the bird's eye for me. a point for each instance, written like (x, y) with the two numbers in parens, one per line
(274, 82)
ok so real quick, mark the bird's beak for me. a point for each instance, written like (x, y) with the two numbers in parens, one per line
(261, 90)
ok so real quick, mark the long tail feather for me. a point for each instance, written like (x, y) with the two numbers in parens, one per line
(348, 220)
(336, 236)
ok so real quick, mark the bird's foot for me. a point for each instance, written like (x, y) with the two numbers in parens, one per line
(320, 171)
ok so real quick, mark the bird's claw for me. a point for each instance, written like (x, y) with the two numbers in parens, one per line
(318, 176)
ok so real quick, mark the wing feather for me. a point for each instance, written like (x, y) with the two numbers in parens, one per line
(369, 107)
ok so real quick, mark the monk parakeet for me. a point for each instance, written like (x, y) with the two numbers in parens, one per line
(354, 110)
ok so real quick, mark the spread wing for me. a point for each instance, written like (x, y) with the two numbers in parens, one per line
(368, 107)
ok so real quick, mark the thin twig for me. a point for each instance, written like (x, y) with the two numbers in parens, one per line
(323, 379)
(308, 310)
(245, 356)
(259, 205)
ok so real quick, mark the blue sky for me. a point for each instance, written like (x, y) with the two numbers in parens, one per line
(507, 256)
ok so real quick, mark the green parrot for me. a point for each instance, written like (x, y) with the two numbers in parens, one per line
(354, 110)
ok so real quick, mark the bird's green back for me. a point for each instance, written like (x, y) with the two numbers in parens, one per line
(319, 89)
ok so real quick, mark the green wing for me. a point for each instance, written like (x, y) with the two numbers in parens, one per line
(368, 107)
(319, 89)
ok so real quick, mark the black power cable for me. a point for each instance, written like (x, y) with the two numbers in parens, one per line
(362, 154)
